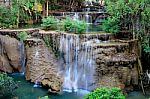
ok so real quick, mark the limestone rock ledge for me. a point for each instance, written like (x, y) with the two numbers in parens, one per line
(116, 68)
(9, 54)
(42, 65)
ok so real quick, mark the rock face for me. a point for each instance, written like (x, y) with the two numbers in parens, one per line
(42, 66)
(98, 62)
(9, 54)
(12, 58)
(116, 67)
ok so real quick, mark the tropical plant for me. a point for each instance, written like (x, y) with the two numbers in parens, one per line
(17, 12)
(49, 23)
(22, 36)
(111, 25)
(75, 26)
(68, 24)
(80, 26)
(104, 93)
(7, 17)
(7, 84)
(27, 10)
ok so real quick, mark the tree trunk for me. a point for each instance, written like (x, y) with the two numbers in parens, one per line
(17, 24)
(47, 8)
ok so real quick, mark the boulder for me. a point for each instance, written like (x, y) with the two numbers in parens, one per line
(4, 64)
(54, 86)
(10, 54)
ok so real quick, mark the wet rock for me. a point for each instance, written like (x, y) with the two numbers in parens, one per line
(116, 68)
(134, 75)
(4, 64)
(42, 65)
(54, 87)
(10, 54)
(110, 81)
(114, 60)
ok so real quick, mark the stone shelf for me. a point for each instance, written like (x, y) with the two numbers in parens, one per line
(121, 59)
(15, 32)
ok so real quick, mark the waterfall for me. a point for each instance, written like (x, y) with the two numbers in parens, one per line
(78, 63)
(36, 56)
(22, 57)
(76, 16)
(71, 76)
(88, 18)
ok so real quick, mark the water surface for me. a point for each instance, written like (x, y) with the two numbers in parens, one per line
(26, 90)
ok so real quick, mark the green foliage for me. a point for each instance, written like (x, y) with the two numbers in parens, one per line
(68, 24)
(111, 25)
(104, 93)
(75, 26)
(7, 84)
(22, 36)
(49, 23)
(54, 7)
(116, 8)
(134, 14)
(20, 11)
(7, 17)
(80, 26)
(45, 97)
(145, 45)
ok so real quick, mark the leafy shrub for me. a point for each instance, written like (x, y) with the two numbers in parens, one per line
(75, 26)
(80, 26)
(7, 84)
(45, 97)
(7, 17)
(111, 25)
(22, 36)
(68, 24)
(49, 23)
(103, 93)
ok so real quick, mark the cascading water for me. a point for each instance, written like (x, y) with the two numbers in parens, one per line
(88, 18)
(76, 16)
(22, 57)
(36, 62)
(78, 58)
(78, 63)
(70, 78)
